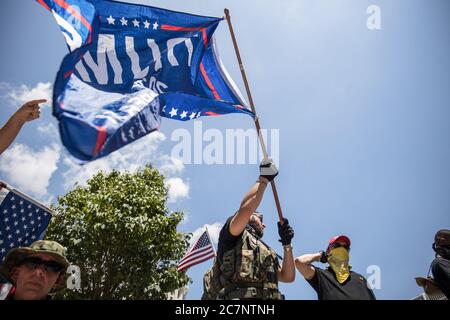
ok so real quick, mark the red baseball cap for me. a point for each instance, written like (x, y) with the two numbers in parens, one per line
(340, 238)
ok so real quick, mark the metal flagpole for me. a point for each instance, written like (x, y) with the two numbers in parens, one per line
(252, 105)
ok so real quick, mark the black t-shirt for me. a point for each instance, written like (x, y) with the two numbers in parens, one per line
(328, 288)
(440, 268)
(226, 240)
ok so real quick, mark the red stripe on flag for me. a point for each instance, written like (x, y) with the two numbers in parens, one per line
(197, 262)
(44, 5)
(67, 74)
(210, 113)
(205, 37)
(101, 137)
(194, 253)
(181, 268)
(208, 82)
(75, 14)
(176, 28)
(195, 257)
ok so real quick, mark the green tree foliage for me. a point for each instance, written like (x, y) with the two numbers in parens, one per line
(120, 233)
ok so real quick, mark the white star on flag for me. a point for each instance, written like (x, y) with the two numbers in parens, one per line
(183, 115)
(146, 24)
(192, 116)
(173, 112)
(135, 22)
(111, 20)
(19, 217)
(155, 25)
(124, 21)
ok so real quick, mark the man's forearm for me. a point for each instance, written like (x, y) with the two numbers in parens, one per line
(309, 258)
(287, 273)
(248, 206)
(9, 132)
(254, 196)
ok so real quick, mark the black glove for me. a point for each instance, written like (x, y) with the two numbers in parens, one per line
(268, 169)
(286, 232)
(323, 257)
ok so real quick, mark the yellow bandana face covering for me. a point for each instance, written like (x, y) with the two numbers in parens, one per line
(338, 259)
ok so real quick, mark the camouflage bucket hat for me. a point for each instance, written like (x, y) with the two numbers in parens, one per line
(16, 256)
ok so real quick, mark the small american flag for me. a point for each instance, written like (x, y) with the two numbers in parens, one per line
(22, 220)
(202, 250)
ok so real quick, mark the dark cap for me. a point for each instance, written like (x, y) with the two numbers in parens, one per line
(442, 238)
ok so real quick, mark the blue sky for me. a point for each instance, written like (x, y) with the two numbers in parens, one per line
(363, 117)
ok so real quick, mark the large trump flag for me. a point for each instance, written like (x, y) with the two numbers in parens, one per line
(129, 65)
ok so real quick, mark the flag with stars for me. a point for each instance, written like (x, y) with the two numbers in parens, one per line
(202, 250)
(128, 66)
(22, 220)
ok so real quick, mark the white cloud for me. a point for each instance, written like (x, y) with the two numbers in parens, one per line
(28, 170)
(5, 89)
(48, 129)
(186, 218)
(43, 90)
(130, 158)
(171, 165)
(213, 230)
(178, 189)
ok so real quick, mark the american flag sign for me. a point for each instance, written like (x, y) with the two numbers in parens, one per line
(22, 220)
(202, 250)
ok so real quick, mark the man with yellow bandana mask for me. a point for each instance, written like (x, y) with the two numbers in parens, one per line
(337, 282)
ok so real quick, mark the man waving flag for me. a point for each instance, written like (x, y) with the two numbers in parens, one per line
(130, 64)
(202, 250)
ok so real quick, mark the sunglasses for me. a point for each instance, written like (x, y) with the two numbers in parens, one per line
(48, 266)
(260, 216)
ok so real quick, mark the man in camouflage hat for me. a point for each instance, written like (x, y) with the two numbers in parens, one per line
(35, 271)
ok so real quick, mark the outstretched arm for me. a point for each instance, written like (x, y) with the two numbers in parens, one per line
(29, 111)
(249, 204)
(252, 199)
